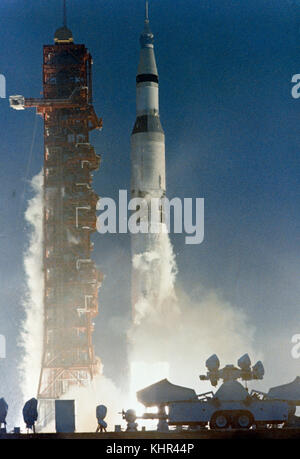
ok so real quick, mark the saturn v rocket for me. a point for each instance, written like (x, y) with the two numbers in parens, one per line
(148, 179)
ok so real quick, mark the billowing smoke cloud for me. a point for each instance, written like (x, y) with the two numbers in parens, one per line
(101, 390)
(169, 326)
(31, 338)
(157, 269)
(173, 328)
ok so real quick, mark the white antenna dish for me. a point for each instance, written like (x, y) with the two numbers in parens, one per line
(213, 363)
(101, 412)
(244, 362)
(258, 370)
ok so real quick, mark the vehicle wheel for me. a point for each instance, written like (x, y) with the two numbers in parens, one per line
(219, 421)
(243, 420)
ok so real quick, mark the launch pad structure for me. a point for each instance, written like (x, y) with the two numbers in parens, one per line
(71, 279)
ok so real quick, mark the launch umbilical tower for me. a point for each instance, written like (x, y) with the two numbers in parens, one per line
(71, 280)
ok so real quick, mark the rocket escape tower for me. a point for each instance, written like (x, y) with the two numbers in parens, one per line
(71, 280)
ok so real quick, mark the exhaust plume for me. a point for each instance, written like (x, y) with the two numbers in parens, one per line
(170, 327)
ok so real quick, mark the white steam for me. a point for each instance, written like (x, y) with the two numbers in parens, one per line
(72, 239)
(174, 329)
(156, 269)
(101, 390)
(169, 329)
(31, 338)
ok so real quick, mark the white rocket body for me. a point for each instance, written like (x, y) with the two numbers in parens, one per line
(147, 139)
(148, 177)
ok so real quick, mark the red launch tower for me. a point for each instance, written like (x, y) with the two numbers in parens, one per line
(71, 280)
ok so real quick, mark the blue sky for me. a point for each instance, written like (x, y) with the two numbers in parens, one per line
(232, 137)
